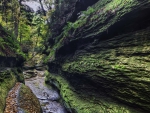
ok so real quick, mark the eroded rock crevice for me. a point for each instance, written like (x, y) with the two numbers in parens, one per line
(135, 20)
(104, 60)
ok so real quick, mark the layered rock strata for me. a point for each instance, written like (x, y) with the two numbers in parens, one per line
(104, 54)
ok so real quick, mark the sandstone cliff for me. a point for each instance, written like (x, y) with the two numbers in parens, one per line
(102, 58)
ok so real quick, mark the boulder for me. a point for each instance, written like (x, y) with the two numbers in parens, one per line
(30, 73)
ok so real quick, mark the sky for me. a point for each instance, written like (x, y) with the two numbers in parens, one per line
(34, 5)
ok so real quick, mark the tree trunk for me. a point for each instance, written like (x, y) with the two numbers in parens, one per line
(16, 22)
(42, 7)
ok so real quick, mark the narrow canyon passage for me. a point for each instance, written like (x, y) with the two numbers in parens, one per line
(47, 96)
(74, 56)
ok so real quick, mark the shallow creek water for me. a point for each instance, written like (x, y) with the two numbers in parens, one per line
(47, 96)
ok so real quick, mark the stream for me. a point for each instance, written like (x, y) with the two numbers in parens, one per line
(47, 96)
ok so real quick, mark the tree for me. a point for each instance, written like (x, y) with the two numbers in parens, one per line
(10, 10)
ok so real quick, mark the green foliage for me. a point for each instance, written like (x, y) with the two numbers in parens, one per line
(32, 36)
(50, 57)
(81, 102)
(37, 20)
(118, 67)
(92, 20)
(89, 11)
(19, 75)
(7, 81)
(28, 28)
(24, 32)
(8, 44)
(67, 28)
(39, 32)
(70, 28)
(79, 23)
(46, 74)
(2, 43)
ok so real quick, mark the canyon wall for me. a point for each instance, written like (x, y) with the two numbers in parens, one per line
(100, 60)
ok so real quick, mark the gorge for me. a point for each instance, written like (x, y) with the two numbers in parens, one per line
(96, 59)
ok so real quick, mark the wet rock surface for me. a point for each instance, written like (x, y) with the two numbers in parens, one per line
(28, 103)
(46, 95)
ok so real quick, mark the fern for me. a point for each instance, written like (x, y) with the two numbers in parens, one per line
(2, 43)
(67, 28)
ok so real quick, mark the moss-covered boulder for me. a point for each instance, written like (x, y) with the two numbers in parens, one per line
(21, 99)
(28, 101)
(105, 51)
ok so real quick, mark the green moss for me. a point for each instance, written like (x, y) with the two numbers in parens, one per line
(121, 69)
(83, 104)
(7, 81)
(28, 101)
(50, 57)
(46, 73)
(9, 46)
(99, 17)
(120, 65)
(19, 75)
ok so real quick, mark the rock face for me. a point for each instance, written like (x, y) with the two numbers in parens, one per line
(12, 99)
(28, 102)
(102, 58)
(21, 99)
(10, 53)
(67, 11)
(10, 65)
(49, 99)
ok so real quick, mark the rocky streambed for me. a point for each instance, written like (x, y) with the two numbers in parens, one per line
(47, 96)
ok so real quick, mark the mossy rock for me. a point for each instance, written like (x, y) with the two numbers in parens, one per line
(9, 46)
(89, 28)
(30, 73)
(28, 101)
(19, 74)
(78, 102)
(119, 65)
(108, 49)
